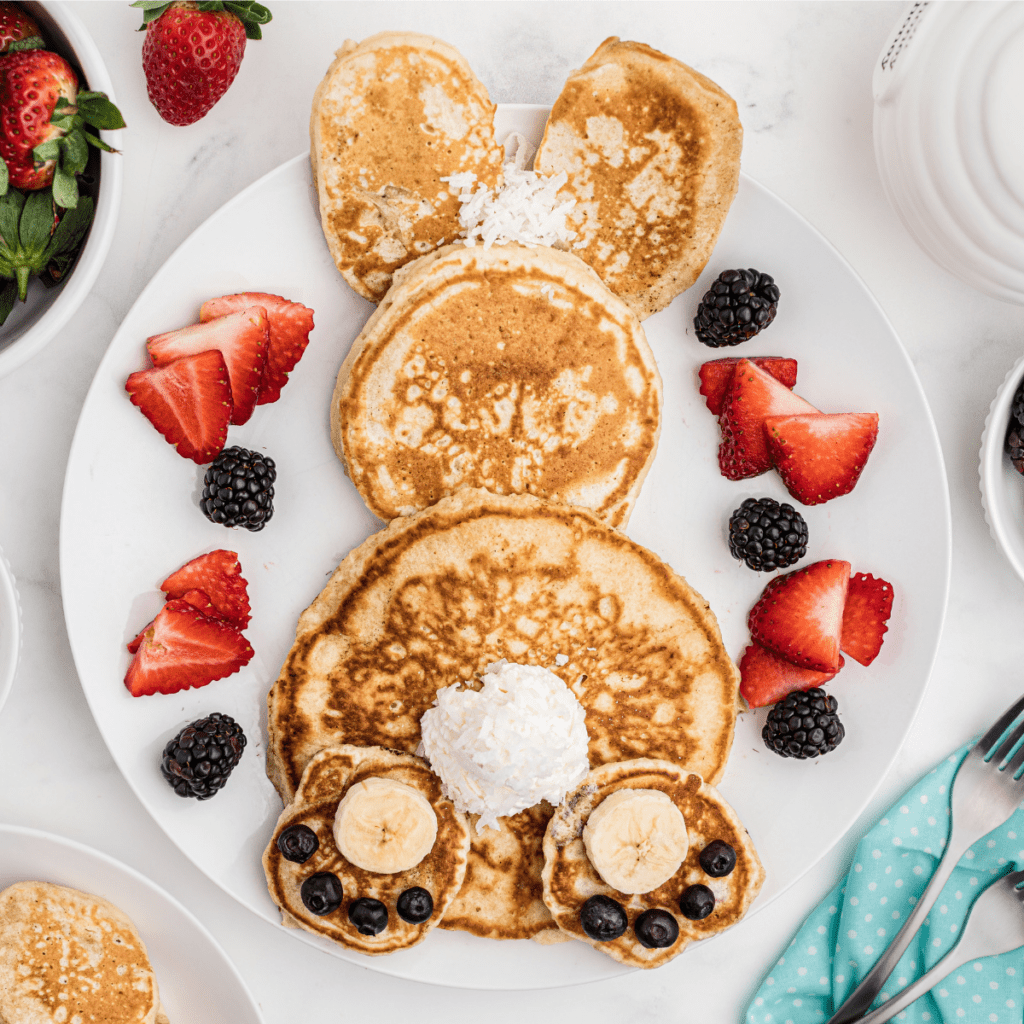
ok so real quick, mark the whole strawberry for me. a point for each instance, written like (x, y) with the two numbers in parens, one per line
(193, 51)
(17, 30)
(43, 120)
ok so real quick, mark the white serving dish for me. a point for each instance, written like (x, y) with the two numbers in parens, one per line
(10, 629)
(33, 323)
(269, 238)
(197, 980)
(948, 140)
(1002, 487)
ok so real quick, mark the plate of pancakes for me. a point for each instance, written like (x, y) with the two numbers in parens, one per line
(356, 624)
(61, 901)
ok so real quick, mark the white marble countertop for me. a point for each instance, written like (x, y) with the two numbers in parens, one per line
(801, 74)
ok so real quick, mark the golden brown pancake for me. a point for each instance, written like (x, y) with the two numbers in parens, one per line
(652, 151)
(436, 597)
(509, 368)
(570, 879)
(393, 115)
(326, 779)
(67, 956)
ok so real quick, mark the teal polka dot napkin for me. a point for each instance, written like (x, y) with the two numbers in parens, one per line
(841, 940)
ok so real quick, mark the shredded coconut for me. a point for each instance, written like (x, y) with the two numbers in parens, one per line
(524, 209)
(519, 740)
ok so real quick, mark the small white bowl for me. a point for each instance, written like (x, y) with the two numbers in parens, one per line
(10, 629)
(1002, 487)
(34, 322)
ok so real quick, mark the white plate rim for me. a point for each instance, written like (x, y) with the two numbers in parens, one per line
(91, 853)
(381, 964)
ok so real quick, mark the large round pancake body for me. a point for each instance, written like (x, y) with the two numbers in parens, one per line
(436, 597)
(652, 151)
(393, 115)
(509, 368)
(570, 879)
(67, 955)
(326, 779)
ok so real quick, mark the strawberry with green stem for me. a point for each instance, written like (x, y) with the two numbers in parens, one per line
(45, 122)
(17, 30)
(193, 51)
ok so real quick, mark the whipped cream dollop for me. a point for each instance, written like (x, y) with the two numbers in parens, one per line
(498, 750)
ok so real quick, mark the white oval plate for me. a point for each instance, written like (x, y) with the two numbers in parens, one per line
(130, 517)
(197, 981)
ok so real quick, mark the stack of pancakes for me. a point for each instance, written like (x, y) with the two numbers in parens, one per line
(500, 410)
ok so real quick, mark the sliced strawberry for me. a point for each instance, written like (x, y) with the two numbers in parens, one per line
(242, 340)
(799, 616)
(290, 324)
(753, 395)
(182, 648)
(188, 401)
(217, 574)
(868, 607)
(766, 679)
(820, 456)
(134, 645)
(716, 376)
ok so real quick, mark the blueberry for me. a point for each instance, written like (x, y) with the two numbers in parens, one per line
(718, 858)
(603, 919)
(415, 905)
(298, 843)
(369, 916)
(697, 902)
(656, 929)
(322, 893)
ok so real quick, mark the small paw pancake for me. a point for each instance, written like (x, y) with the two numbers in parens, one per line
(327, 778)
(570, 879)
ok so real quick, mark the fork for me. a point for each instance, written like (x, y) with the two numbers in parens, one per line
(995, 925)
(984, 795)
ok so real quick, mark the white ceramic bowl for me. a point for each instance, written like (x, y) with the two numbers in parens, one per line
(34, 322)
(1002, 487)
(10, 629)
(948, 139)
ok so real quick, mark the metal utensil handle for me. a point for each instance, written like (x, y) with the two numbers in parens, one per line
(861, 998)
(950, 962)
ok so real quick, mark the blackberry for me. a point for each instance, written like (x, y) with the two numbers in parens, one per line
(198, 761)
(767, 535)
(1015, 431)
(738, 304)
(804, 725)
(238, 489)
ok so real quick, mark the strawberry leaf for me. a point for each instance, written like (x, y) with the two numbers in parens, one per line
(96, 110)
(94, 140)
(48, 150)
(36, 221)
(5, 177)
(151, 10)
(65, 189)
(28, 43)
(75, 152)
(251, 15)
(11, 205)
(63, 247)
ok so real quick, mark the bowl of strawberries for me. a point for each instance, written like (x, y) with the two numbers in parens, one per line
(60, 181)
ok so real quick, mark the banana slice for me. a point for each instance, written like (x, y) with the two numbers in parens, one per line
(636, 839)
(384, 826)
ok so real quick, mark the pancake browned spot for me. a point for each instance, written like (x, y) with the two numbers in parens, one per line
(652, 151)
(393, 115)
(66, 955)
(436, 597)
(570, 879)
(509, 368)
(327, 778)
